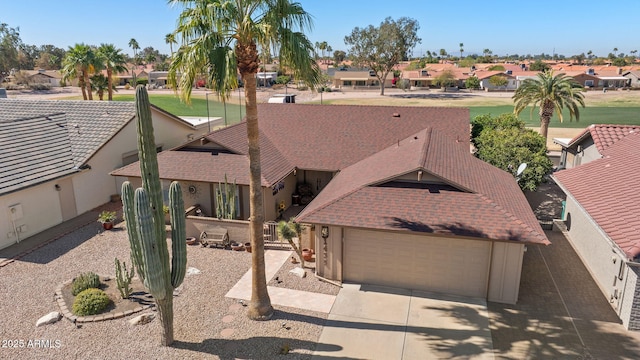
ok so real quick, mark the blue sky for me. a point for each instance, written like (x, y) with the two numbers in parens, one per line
(505, 27)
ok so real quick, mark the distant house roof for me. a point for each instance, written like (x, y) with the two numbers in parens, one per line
(34, 150)
(474, 198)
(604, 135)
(90, 124)
(607, 189)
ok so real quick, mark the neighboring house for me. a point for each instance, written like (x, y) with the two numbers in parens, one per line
(602, 217)
(158, 79)
(393, 195)
(485, 83)
(47, 77)
(586, 80)
(55, 158)
(634, 78)
(590, 144)
(358, 80)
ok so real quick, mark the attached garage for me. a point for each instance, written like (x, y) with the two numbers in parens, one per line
(438, 264)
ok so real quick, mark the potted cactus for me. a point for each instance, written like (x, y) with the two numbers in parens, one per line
(107, 218)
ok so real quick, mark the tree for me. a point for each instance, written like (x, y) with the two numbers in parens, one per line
(79, 62)
(322, 46)
(504, 142)
(443, 53)
(552, 93)
(498, 81)
(539, 65)
(496, 68)
(289, 230)
(170, 39)
(113, 60)
(220, 40)
(447, 78)
(133, 44)
(381, 48)
(9, 44)
(472, 82)
(100, 84)
(339, 56)
(461, 50)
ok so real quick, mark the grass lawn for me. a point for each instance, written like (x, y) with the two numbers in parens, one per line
(588, 116)
(198, 106)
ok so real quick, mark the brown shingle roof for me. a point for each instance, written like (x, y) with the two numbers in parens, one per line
(486, 201)
(318, 137)
(607, 189)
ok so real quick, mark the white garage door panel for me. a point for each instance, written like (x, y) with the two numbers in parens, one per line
(452, 266)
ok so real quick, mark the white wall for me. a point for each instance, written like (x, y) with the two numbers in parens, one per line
(40, 211)
(94, 187)
(596, 251)
(506, 266)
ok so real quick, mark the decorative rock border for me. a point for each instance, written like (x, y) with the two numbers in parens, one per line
(66, 311)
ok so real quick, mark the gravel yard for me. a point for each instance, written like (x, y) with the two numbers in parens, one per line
(206, 324)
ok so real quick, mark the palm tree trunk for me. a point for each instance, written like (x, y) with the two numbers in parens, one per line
(82, 87)
(546, 112)
(260, 306)
(248, 63)
(87, 85)
(110, 83)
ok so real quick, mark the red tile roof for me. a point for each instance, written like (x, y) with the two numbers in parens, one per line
(605, 135)
(487, 203)
(607, 189)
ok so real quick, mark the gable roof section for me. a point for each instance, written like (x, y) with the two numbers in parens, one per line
(484, 201)
(607, 189)
(604, 135)
(330, 138)
(91, 124)
(33, 151)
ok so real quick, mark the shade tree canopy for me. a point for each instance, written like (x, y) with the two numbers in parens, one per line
(383, 47)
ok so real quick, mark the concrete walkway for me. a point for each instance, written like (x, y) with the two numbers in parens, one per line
(32, 243)
(375, 322)
(274, 259)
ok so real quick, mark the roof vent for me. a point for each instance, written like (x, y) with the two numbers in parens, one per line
(395, 114)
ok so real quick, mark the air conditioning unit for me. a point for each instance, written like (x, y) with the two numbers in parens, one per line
(579, 148)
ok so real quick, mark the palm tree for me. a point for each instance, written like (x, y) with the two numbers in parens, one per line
(133, 44)
(220, 39)
(552, 93)
(323, 46)
(461, 50)
(113, 60)
(170, 39)
(79, 62)
(100, 84)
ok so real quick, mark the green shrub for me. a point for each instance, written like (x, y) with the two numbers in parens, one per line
(90, 302)
(282, 79)
(143, 81)
(85, 281)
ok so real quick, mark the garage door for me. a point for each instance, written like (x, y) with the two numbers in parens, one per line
(445, 265)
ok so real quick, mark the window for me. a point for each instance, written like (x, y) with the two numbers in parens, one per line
(588, 83)
(361, 83)
(347, 83)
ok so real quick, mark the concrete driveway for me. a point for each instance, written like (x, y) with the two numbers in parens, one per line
(375, 322)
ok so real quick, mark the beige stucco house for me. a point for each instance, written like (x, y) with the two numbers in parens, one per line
(602, 218)
(56, 157)
(390, 195)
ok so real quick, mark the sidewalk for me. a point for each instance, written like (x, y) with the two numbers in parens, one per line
(34, 242)
(274, 259)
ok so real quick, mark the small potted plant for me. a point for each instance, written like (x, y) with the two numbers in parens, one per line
(107, 219)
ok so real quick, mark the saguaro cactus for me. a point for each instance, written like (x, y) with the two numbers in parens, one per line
(146, 226)
(226, 200)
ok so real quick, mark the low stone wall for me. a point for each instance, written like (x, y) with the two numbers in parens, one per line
(238, 229)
